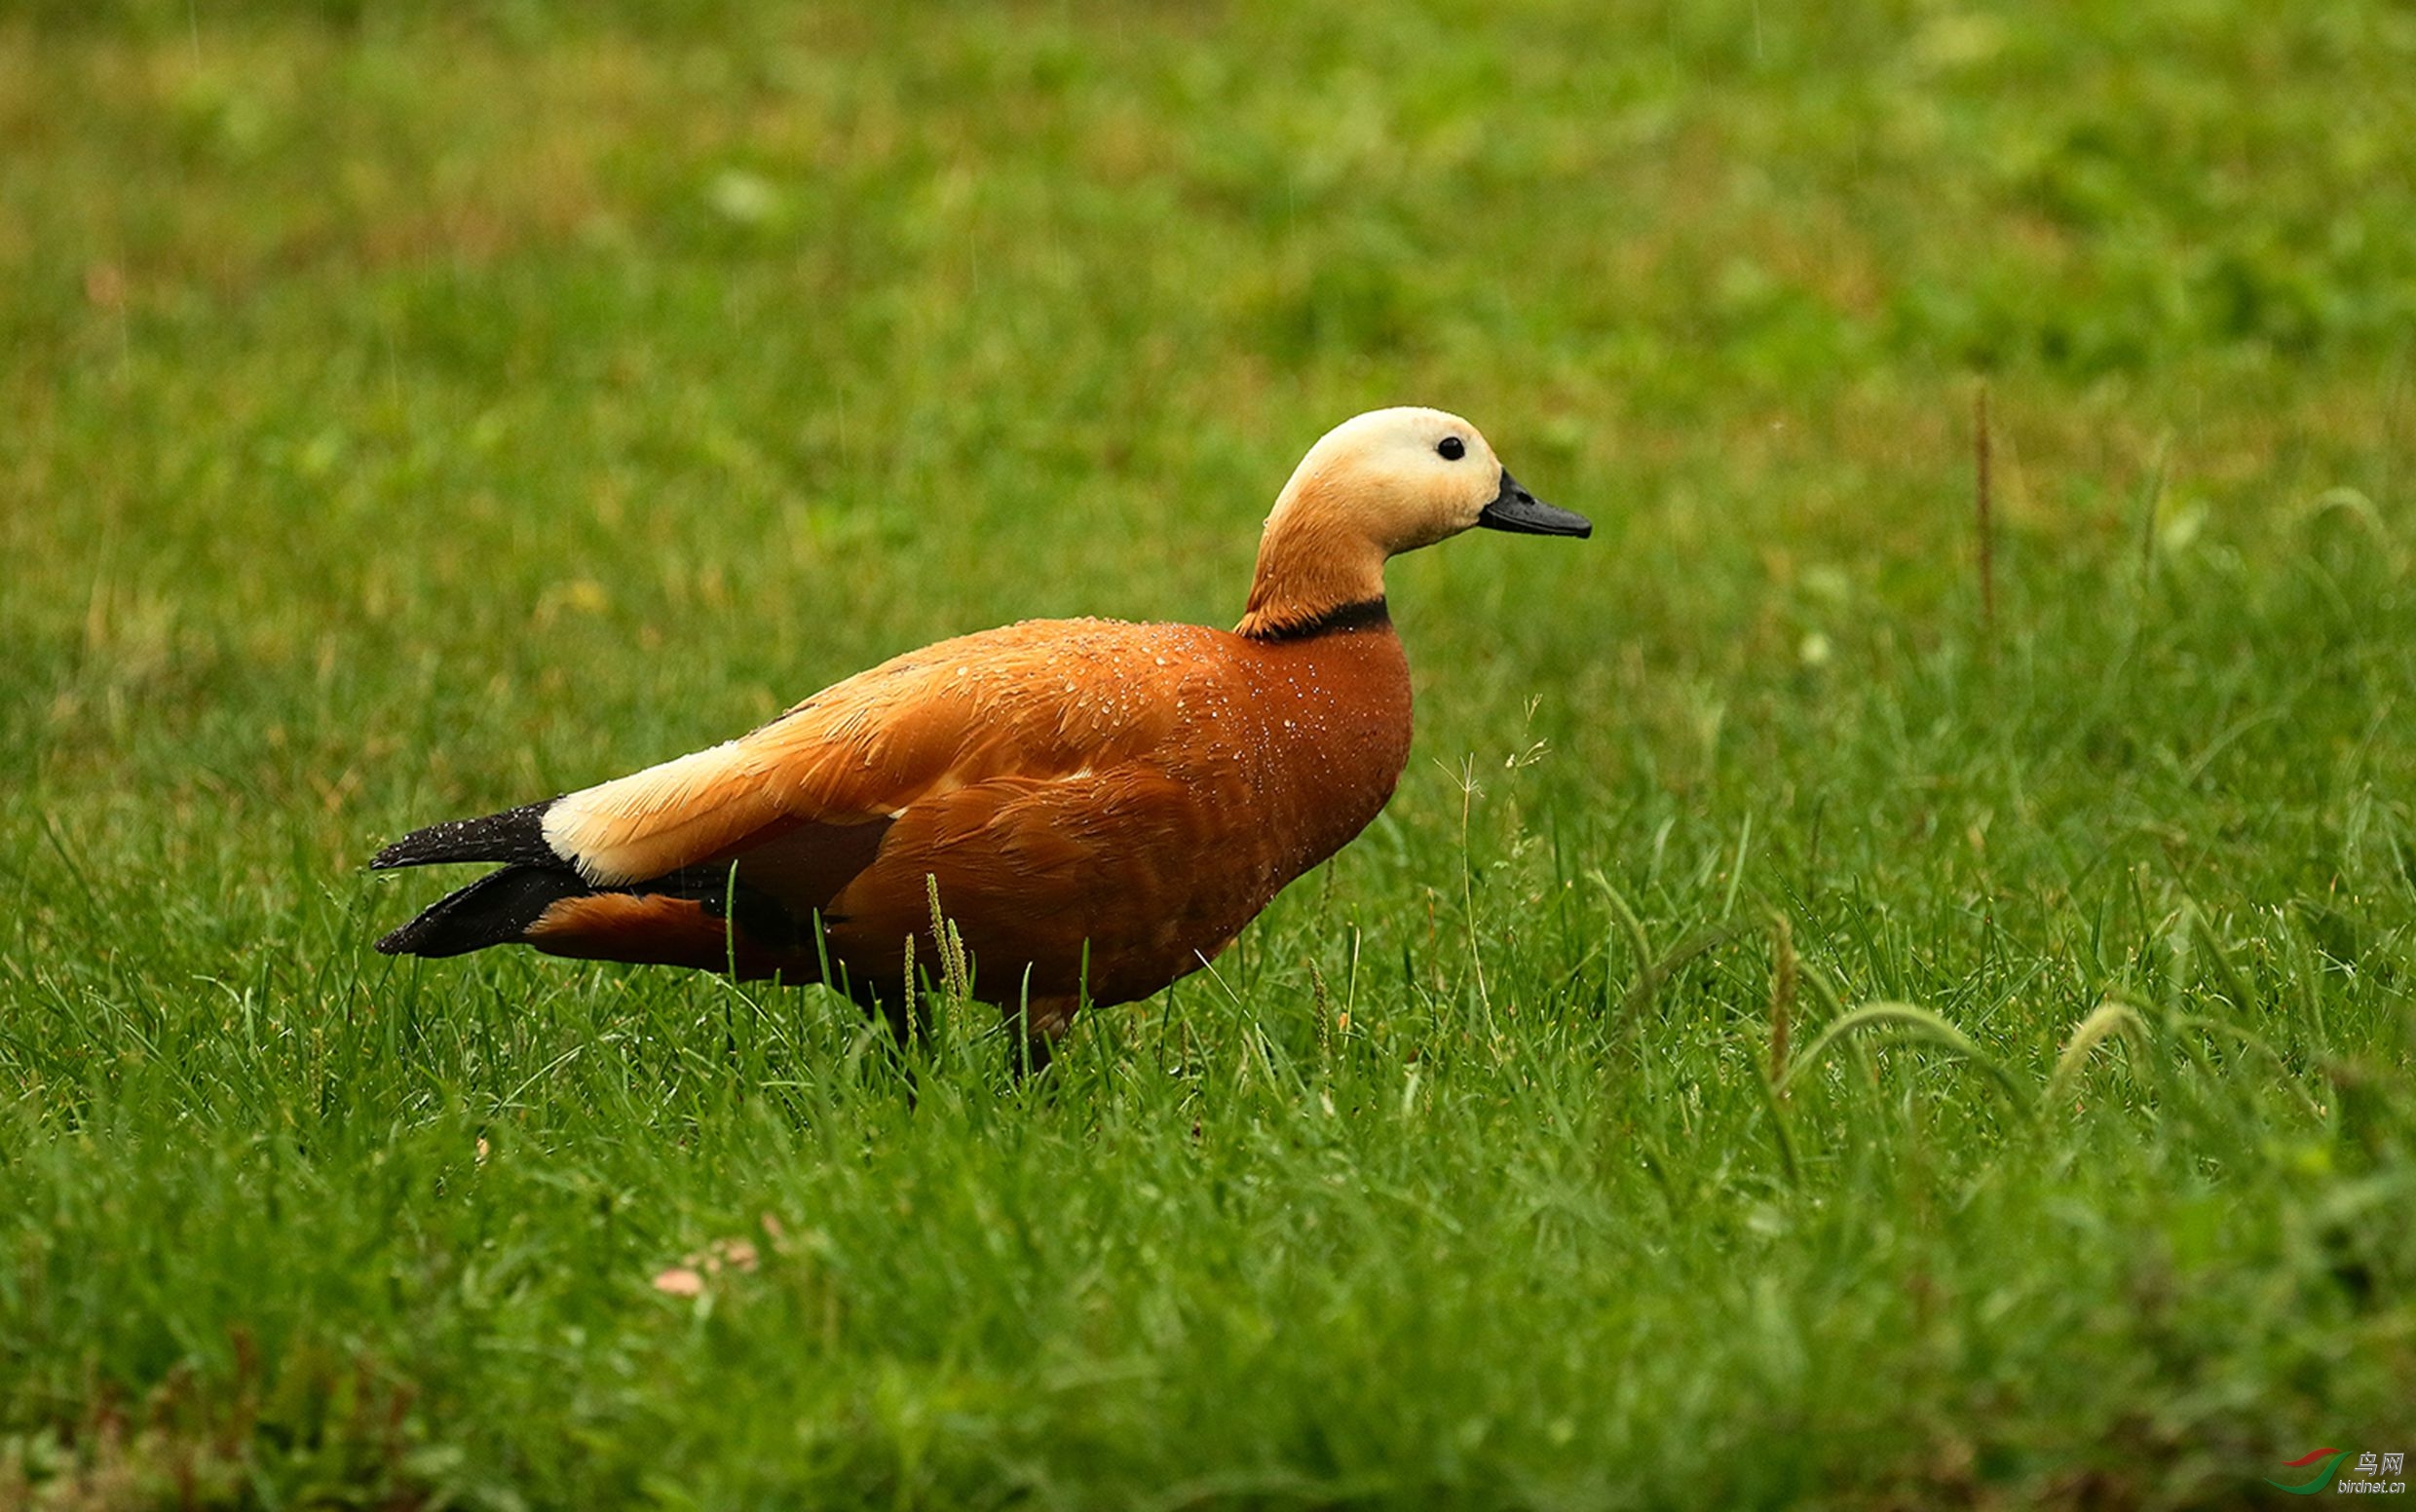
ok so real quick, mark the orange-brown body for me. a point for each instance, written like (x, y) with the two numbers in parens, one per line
(1095, 808)
(1102, 807)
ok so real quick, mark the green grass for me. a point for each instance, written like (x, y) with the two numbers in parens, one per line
(407, 415)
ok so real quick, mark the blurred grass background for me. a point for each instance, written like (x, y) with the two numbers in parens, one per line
(411, 410)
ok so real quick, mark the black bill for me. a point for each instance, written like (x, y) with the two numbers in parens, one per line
(1513, 509)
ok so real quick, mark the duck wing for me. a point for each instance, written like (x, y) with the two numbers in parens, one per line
(1042, 700)
(802, 804)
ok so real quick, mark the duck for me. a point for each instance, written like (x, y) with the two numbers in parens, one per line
(1064, 811)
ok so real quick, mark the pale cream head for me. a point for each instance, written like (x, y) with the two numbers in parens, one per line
(1384, 482)
(1396, 475)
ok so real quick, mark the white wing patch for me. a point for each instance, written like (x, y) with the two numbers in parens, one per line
(615, 831)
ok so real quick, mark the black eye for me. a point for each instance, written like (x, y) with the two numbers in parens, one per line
(1451, 449)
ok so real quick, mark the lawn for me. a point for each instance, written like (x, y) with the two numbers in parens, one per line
(409, 412)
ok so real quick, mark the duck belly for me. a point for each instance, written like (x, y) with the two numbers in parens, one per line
(1104, 885)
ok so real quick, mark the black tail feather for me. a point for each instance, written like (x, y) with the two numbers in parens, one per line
(495, 910)
(515, 835)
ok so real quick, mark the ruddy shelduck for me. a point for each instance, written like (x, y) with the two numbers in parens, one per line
(1098, 807)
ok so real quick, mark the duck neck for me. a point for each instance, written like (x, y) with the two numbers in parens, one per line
(1313, 574)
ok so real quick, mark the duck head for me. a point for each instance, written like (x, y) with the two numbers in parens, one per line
(1385, 482)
